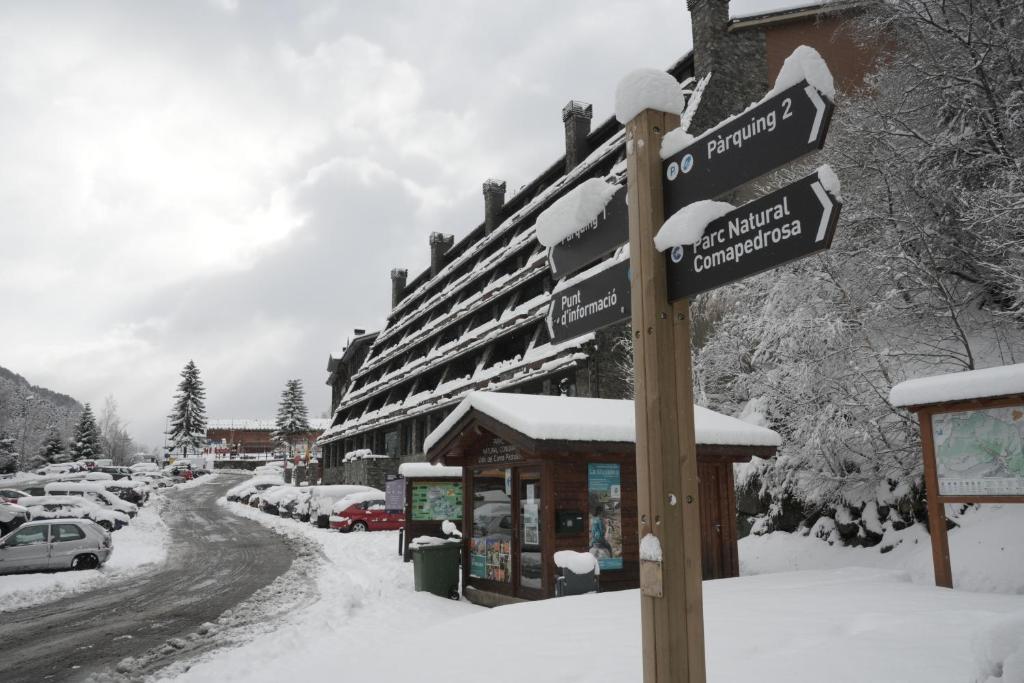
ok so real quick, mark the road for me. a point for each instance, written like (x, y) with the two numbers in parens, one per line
(215, 561)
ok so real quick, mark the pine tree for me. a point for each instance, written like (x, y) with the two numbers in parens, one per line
(8, 455)
(86, 442)
(53, 449)
(292, 417)
(188, 421)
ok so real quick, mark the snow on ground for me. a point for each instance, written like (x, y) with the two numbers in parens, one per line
(137, 547)
(366, 600)
(986, 552)
(843, 623)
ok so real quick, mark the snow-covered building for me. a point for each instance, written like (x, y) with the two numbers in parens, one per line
(475, 319)
(344, 364)
(248, 437)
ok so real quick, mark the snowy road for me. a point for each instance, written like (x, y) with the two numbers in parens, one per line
(215, 560)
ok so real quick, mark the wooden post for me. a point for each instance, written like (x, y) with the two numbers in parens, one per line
(666, 457)
(936, 509)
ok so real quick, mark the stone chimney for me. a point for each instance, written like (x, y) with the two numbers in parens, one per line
(399, 276)
(494, 200)
(439, 244)
(576, 117)
(360, 331)
(737, 61)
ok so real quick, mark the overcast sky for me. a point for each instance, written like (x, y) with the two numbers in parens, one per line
(231, 182)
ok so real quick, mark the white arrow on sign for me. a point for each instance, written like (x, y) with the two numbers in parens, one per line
(819, 113)
(827, 207)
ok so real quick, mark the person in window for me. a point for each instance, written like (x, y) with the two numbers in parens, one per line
(599, 546)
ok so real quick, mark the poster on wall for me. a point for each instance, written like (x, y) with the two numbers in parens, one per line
(490, 558)
(394, 495)
(980, 452)
(436, 501)
(531, 523)
(604, 489)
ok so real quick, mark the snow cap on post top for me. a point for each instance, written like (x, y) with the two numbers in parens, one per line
(647, 89)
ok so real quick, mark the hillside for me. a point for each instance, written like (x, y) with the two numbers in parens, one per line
(27, 412)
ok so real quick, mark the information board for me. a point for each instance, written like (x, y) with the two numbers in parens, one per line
(604, 488)
(394, 495)
(980, 452)
(436, 501)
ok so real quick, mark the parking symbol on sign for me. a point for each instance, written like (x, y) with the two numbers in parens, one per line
(673, 171)
(687, 163)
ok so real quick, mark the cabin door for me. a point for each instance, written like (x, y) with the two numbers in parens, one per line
(530, 548)
(717, 520)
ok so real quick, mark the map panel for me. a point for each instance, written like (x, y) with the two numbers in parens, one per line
(980, 452)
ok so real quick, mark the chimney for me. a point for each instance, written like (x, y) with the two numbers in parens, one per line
(576, 117)
(494, 200)
(439, 244)
(737, 61)
(360, 331)
(398, 279)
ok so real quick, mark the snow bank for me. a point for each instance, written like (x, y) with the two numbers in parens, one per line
(574, 211)
(647, 89)
(686, 226)
(804, 63)
(650, 548)
(999, 651)
(137, 548)
(959, 386)
(577, 563)
(592, 419)
(424, 470)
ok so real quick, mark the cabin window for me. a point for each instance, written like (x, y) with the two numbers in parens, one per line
(490, 548)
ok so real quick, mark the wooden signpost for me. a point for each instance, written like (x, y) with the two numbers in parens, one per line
(652, 290)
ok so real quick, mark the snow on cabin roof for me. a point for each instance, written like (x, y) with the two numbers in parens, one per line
(424, 470)
(316, 424)
(592, 419)
(1003, 380)
(747, 9)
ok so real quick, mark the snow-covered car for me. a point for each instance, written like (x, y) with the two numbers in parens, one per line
(364, 512)
(58, 468)
(144, 467)
(55, 544)
(299, 508)
(12, 495)
(116, 471)
(129, 489)
(154, 479)
(12, 516)
(270, 500)
(247, 488)
(74, 507)
(94, 491)
(270, 469)
(324, 497)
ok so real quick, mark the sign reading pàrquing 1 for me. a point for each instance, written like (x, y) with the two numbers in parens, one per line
(980, 452)
(602, 235)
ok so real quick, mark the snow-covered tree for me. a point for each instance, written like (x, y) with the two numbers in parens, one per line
(188, 420)
(117, 442)
(292, 416)
(86, 441)
(8, 454)
(54, 450)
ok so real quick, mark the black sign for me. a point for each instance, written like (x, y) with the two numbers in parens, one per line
(597, 238)
(775, 132)
(589, 305)
(788, 224)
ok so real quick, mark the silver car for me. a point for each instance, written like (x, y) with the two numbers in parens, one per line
(54, 544)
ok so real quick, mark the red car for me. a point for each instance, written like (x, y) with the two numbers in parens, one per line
(364, 512)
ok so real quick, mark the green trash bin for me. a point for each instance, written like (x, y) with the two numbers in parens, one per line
(436, 568)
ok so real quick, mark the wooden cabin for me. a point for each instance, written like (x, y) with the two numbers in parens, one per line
(548, 473)
(432, 494)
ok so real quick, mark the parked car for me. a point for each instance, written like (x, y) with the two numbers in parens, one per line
(323, 499)
(129, 489)
(299, 508)
(154, 479)
(11, 495)
(270, 500)
(58, 468)
(244, 491)
(54, 544)
(12, 516)
(116, 471)
(76, 507)
(94, 491)
(364, 512)
(144, 467)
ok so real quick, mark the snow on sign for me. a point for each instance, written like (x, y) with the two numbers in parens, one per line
(980, 452)
(780, 129)
(605, 233)
(590, 303)
(796, 221)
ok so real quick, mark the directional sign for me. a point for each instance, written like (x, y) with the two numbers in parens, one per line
(782, 128)
(602, 235)
(793, 222)
(597, 301)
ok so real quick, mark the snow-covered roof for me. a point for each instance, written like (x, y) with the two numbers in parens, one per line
(566, 418)
(746, 9)
(1003, 380)
(424, 470)
(316, 424)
